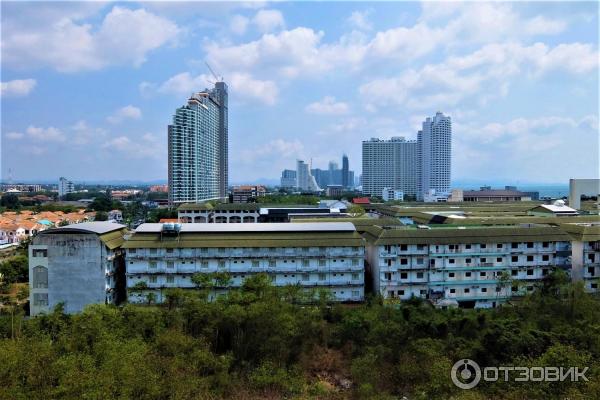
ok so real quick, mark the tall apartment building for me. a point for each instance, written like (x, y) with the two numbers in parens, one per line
(434, 157)
(65, 186)
(304, 179)
(288, 178)
(198, 147)
(76, 265)
(389, 164)
(475, 266)
(345, 172)
(311, 255)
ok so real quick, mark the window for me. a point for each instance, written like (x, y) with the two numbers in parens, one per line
(169, 251)
(545, 257)
(529, 258)
(355, 262)
(514, 289)
(591, 271)
(322, 263)
(530, 245)
(391, 294)
(422, 292)
(594, 286)
(306, 277)
(514, 272)
(467, 246)
(322, 277)
(420, 247)
(514, 245)
(484, 290)
(419, 275)
(153, 251)
(451, 261)
(152, 264)
(468, 260)
(355, 277)
(272, 263)
(482, 274)
(255, 264)
(499, 246)
(170, 279)
(403, 247)
(498, 259)
(432, 262)
(467, 290)
(483, 259)
(514, 259)
(468, 274)
(400, 292)
(355, 293)
(132, 251)
(170, 264)
(529, 272)
(451, 275)
(545, 271)
(452, 290)
(40, 253)
(420, 260)
(204, 264)
(482, 246)
(403, 275)
(40, 277)
(545, 244)
(404, 261)
(153, 279)
(221, 264)
(40, 299)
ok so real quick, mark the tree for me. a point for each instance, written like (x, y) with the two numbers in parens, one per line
(356, 211)
(101, 216)
(10, 201)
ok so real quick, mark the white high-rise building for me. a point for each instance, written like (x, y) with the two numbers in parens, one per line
(434, 155)
(305, 180)
(65, 186)
(198, 148)
(389, 164)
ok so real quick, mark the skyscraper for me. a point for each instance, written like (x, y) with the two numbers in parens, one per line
(288, 178)
(345, 169)
(305, 180)
(389, 164)
(198, 147)
(65, 186)
(434, 155)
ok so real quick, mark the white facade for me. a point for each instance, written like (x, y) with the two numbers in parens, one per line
(484, 269)
(434, 197)
(303, 258)
(434, 155)
(390, 194)
(305, 180)
(389, 164)
(65, 186)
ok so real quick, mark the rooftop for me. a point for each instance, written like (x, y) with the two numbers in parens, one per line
(98, 228)
(252, 227)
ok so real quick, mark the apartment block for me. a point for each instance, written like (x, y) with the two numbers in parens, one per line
(468, 266)
(311, 255)
(585, 254)
(76, 265)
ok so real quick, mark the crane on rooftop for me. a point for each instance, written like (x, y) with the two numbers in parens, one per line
(213, 73)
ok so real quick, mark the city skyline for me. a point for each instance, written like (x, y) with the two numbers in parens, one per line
(379, 73)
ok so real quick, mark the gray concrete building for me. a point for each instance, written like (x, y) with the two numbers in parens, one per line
(76, 265)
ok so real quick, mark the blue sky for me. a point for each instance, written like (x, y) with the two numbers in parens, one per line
(88, 89)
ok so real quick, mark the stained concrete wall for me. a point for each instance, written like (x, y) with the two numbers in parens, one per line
(577, 187)
(76, 269)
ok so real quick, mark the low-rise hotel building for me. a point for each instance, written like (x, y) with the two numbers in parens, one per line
(310, 255)
(471, 266)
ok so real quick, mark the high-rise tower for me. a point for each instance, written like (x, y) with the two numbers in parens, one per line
(434, 155)
(345, 171)
(198, 147)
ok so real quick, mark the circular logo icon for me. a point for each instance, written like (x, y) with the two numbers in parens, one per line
(465, 374)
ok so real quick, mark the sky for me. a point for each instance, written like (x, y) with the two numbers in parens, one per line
(88, 88)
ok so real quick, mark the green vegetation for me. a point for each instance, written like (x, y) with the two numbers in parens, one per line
(258, 342)
(288, 199)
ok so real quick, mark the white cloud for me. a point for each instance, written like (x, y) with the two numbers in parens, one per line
(50, 134)
(242, 86)
(360, 20)
(239, 24)
(17, 87)
(124, 37)
(277, 148)
(327, 106)
(268, 20)
(147, 146)
(14, 135)
(84, 134)
(127, 112)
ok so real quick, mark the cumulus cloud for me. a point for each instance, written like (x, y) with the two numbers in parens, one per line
(14, 135)
(360, 20)
(327, 106)
(278, 148)
(127, 112)
(17, 87)
(242, 86)
(49, 134)
(268, 20)
(147, 146)
(239, 24)
(124, 37)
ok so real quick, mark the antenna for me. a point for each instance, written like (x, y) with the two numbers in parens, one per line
(213, 73)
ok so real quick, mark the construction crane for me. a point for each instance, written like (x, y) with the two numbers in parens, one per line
(213, 73)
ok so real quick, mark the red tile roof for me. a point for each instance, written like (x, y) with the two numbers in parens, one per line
(361, 200)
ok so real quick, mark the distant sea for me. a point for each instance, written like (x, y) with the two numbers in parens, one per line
(554, 191)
